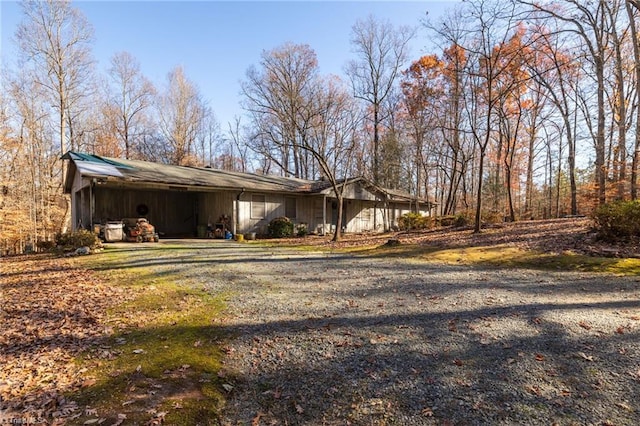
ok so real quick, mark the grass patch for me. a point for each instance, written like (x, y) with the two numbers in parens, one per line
(509, 257)
(162, 360)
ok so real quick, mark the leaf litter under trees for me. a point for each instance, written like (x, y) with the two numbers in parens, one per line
(52, 311)
(104, 347)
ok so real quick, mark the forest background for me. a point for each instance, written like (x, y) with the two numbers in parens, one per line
(525, 110)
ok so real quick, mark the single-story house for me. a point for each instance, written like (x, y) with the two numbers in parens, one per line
(182, 201)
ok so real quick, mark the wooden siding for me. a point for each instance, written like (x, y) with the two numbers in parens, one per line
(173, 213)
(181, 213)
(275, 206)
(213, 205)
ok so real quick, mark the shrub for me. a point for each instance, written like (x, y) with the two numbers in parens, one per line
(461, 220)
(302, 230)
(409, 221)
(280, 227)
(446, 220)
(619, 220)
(492, 217)
(45, 245)
(76, 239)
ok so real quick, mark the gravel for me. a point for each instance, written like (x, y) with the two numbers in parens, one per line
(327, 339)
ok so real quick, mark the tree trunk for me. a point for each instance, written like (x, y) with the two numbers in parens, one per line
(636, 55)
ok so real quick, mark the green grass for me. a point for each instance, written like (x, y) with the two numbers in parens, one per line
(509, 257)
(164, 355)
(500, 256)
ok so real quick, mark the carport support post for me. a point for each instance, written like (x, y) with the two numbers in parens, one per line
(236, 213)
(92, 204)
(324, 215)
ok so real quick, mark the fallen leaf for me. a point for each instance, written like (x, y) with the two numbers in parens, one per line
(584, 325)
(121, 419)
(535, 390)
(539, 357)
(624, 406)
(585, 356)
(88, 383)
(427, 412)
(256, 420)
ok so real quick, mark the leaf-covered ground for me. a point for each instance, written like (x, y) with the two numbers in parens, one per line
(90, 341)
(544, 236)
(52, 311)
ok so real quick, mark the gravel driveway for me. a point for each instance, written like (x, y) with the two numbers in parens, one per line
(335, 339)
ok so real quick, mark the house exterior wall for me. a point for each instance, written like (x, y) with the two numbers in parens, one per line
(253, 218)
(213, 205)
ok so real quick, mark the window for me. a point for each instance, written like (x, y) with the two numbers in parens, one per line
(258, 207)
(290, 207)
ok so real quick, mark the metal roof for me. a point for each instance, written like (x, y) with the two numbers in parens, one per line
(145, 172)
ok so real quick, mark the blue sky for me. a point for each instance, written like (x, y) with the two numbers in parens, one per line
(217, 41)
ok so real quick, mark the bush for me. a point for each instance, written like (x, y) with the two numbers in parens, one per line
(457, 221)
(302, 230)
(409, 221)
(280, 227)
(461, 220)
(45, 245)
(75, 239)
(617, 221)
(492, 217)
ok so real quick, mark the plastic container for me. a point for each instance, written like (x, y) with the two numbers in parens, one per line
(113, 231)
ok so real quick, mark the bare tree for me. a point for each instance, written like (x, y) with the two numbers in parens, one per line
(301, 122)
(588, 21)
(490, 61)
(237, 144)
(632, 7)
(182, 113)
(56, 39)
(618, 93)
(55, 50)
(275, 96)
(555, 69)
(381, 50)
(130, 96)
(334, 118)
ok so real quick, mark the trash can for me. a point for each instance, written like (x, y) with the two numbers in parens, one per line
(113, 231)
